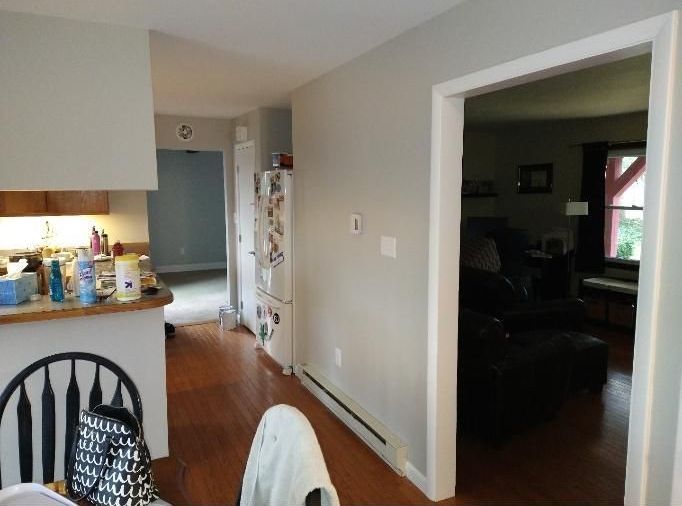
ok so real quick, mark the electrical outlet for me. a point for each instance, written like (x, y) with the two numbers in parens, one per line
(337, 357)
(182, 250)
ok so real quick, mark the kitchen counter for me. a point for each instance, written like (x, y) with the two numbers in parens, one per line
(130, 334)
(72, 307)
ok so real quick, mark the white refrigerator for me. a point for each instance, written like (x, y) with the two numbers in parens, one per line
(274, 265)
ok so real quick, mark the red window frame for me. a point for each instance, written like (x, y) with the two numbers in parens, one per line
(616, 185)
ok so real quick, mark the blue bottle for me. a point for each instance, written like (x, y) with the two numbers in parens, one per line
(86, 275)
(56, 286)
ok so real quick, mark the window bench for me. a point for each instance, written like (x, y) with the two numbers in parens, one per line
(610, 301)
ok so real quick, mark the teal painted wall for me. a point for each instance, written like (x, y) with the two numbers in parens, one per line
(187, 212)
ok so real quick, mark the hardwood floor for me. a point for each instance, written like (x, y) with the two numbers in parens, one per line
(579, 457)
(219, 387)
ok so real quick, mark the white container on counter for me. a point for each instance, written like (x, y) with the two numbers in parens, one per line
(127, 269)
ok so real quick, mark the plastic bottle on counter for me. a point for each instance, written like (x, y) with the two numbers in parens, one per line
(56, 283)
(86, 276)
(75, 278)
(95, 242)
(128, 286)
(105, 243)
(45, 276)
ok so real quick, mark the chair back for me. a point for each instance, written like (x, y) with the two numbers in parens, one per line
(286, 461)
(72, 399)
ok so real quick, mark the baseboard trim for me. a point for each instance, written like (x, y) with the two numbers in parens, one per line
(201, 322)
(191, 267)
(416, 477)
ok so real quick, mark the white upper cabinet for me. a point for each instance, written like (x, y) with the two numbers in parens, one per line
(76, 106)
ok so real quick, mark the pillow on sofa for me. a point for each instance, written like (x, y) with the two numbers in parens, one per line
(480, 253)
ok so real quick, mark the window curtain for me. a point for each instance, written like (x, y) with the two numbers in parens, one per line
(589, 255)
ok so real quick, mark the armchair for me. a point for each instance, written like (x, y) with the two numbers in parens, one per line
(505, 385)
(507, 299)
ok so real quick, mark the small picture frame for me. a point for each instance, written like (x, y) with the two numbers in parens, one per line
(535, 178)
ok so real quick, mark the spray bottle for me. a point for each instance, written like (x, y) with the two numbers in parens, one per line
(86, 276)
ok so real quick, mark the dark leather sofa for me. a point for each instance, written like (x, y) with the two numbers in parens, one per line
(506, 298)
(506, 385)
(519, 359)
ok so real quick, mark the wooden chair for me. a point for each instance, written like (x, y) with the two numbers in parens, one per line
(24, 419)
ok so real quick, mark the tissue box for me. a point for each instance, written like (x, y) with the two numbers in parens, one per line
(14, 291)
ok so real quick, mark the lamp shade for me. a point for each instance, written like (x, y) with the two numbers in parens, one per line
(576, 209)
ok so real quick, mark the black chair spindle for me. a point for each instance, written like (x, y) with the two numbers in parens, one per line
(25, 423)
(73, 402)
(95, 391)
(48, 429)
(117, 399)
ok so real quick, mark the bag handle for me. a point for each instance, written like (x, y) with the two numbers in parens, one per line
(72, 462)
(120, 414)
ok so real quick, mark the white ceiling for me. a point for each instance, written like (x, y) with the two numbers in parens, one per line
(221, 58)
(606, 90)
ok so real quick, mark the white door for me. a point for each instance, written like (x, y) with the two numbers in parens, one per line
(245, 162)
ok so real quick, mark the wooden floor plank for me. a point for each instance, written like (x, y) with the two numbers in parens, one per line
(219, 387)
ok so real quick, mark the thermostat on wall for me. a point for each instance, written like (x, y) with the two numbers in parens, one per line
(184, 132)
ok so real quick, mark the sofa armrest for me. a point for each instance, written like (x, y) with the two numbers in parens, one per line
(482, 339)
(485, 291)
(564, 314)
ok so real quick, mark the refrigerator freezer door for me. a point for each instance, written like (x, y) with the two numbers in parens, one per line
(275, 329)
(274, 230)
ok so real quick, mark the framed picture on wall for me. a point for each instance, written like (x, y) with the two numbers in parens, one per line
(535, 178)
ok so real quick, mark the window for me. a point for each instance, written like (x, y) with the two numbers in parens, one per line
(625, 182)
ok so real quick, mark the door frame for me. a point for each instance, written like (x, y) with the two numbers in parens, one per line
(237, 216)
(660, 34)
(226, 195)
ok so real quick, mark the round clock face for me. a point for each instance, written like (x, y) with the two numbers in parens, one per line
(184, 132)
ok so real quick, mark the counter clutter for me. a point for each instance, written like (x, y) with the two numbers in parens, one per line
(70, 273)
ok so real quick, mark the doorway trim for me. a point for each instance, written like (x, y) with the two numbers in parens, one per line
(447, 122)
(237, 217)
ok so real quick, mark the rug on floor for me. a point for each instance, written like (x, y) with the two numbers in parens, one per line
(197, 295)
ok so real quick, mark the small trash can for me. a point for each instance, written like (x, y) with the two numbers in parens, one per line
(227, 317)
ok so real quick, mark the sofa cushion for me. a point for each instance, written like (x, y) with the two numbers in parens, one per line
(480, 253)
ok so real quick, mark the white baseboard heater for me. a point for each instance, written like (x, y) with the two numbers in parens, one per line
(377, 436)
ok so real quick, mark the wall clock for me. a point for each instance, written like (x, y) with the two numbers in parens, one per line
(184, 132)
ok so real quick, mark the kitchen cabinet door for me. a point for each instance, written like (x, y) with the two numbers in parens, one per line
(22, 203)
(77, 202)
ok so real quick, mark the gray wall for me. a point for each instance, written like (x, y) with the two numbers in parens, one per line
(362, 143)
(188, 210)
(270, 129)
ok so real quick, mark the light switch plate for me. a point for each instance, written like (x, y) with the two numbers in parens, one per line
(388, 246)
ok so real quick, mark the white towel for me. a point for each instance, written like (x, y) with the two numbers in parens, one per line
(285, 463)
